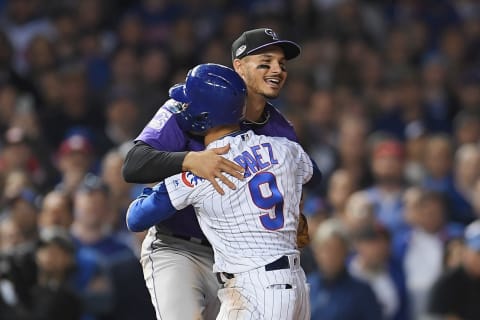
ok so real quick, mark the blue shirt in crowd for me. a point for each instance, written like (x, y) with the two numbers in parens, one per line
(344, 298)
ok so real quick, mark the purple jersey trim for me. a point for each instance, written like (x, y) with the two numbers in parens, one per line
(276, 126)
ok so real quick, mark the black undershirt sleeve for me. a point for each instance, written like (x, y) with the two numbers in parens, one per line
(145, 164)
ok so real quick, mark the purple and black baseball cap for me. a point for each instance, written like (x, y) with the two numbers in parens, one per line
(253, 40)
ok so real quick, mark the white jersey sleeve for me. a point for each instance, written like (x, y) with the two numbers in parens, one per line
(305, 166)
(183, 189)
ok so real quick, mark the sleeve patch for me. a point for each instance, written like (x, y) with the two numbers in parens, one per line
(190, 180)
(160, 119)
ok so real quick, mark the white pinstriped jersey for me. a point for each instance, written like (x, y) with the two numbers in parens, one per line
(256, 223)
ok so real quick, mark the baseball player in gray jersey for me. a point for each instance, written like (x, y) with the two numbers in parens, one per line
(253, 228)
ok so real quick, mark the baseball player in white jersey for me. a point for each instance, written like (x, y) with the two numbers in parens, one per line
(253, 228)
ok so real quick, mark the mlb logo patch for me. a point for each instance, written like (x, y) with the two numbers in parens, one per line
(190, 180)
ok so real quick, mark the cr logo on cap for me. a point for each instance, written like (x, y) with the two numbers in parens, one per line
(271, 33)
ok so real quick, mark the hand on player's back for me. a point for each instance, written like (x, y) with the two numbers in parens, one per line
(209, 164)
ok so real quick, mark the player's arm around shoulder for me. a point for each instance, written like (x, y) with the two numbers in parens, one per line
(159, 203)
(151, 207)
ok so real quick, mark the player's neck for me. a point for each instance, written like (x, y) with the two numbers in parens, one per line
(218, 132)
(255, 106)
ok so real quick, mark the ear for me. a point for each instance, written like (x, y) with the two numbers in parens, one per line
(238, 67)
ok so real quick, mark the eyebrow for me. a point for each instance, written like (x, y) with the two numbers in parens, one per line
(265, 56)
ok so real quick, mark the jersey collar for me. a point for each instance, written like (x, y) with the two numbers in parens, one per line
(234, 133)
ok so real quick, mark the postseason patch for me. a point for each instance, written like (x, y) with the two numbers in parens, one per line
(190, 180)
(240, 50)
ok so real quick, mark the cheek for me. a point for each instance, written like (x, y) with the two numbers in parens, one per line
(249, 77)
(241, 72)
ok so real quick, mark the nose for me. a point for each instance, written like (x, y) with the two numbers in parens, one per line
(275, 67)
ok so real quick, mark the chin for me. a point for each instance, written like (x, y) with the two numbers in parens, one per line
(271, 95)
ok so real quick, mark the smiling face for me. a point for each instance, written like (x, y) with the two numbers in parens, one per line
(263, 72)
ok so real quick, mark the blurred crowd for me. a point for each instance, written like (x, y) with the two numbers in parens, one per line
(385, 96)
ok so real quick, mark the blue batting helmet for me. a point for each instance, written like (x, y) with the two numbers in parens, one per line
(214, 94)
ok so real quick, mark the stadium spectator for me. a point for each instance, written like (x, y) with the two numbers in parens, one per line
(421, 249)
(454, 295)
(374, 264)
(359, 212)
(120, 192)
(438, 162)
(352, 147)
(334, 293)
(466, 172)
(340, 188)
(466, 128)
(75, 158)
(56, 211)
(53, 296)
(386, 193)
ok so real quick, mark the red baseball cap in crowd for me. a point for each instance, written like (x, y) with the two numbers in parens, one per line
(75, 143)
(389, 148)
